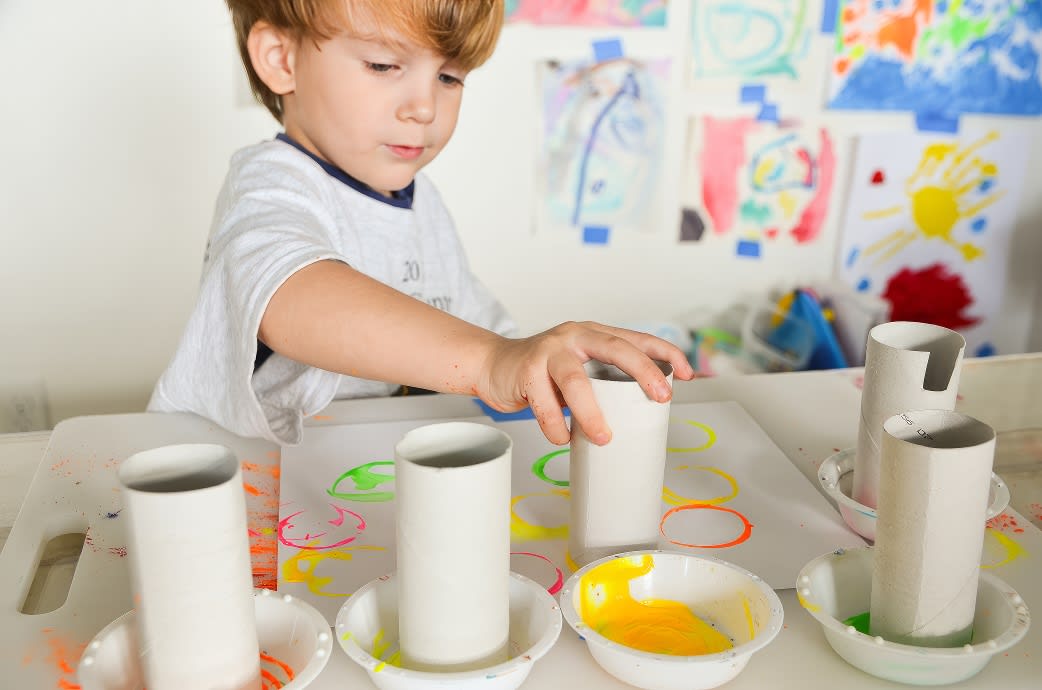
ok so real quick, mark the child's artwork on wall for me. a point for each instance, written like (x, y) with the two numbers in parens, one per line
(729, 492)
(941, 58)
(602, 138)
(928, 226)
(756, 183)
(750, 39)
(588, 12)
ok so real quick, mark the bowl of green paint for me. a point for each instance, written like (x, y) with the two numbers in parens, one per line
(367, 630)
(836, 589)
(664, 620)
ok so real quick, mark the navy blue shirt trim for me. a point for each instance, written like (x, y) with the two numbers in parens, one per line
(401, 198)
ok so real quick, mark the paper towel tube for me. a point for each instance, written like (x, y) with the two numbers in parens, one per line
(616, 489)
(908, 366)
(934, 479)
(453, 528)
(190, 567)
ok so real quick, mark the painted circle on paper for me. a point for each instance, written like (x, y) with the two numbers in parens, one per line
(303, 531)
(711, 526)
(540, 515)
(709, 435)
(522, 562)
(699, 484)
(360, 481)
(539, 467)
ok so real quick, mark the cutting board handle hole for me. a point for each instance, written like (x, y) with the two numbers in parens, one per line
(52, 577)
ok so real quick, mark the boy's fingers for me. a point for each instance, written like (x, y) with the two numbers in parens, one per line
(543, 400)
(655, 348)
(628, 357)
(570, 377)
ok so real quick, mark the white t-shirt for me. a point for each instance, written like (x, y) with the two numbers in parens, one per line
(280, 210)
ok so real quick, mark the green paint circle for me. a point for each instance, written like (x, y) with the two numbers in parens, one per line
(539, 468)
(364, 479)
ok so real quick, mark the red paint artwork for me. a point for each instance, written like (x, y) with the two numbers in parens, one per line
(878, 177)
(930, 295)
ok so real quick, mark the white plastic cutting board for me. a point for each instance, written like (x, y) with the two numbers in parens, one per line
(75, 490)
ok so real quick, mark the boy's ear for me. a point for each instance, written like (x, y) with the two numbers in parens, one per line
(272, 52)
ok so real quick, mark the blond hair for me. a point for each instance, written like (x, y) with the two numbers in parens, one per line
(464, 31)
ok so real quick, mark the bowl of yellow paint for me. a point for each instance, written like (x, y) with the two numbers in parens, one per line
(836, 589)
(664, 620)
(367, 629)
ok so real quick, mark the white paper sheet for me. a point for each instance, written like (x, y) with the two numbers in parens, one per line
(330, 545)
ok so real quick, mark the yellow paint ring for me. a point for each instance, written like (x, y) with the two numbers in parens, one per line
(710, 441)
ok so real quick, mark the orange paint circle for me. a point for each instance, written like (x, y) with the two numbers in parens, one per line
(746, 532)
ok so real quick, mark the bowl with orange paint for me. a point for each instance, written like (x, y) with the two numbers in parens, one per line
(664, 620)
(367, 630)
(293, 637)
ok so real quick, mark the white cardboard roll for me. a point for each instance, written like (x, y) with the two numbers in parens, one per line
(933, 496)
(453, 546)
(908, 366)
(190, 568)
(616, 489)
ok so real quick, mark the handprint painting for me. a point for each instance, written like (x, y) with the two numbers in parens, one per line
(602, 142)
(940, 57)
(928, 227)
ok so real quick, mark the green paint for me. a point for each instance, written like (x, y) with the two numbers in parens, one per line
(755, 213)
(953, 29)
(364, 479)
(860, 622)
(539, 468)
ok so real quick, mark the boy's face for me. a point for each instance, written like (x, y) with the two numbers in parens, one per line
(380, 111)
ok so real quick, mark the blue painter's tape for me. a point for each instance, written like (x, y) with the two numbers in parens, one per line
(936, 122)
(608, 49)
(749, 248)
(596, 234)
(828, 16)
(498, 416)
(768, 113)
(753, 93)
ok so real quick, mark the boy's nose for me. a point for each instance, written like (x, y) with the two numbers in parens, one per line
(418, 106)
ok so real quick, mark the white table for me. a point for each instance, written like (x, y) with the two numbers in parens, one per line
(808, 415)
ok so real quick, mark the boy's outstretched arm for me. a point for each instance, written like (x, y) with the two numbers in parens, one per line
(330, 316)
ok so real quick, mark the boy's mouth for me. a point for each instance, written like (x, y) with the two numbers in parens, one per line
(406, 152)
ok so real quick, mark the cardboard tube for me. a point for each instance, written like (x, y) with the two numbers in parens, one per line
(933, 496)
(453, 546)
(190, 568)
(616, 489)
(908, 366)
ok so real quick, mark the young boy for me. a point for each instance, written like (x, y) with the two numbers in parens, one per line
(333, 270)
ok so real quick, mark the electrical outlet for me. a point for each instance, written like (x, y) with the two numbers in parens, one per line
(24, 408)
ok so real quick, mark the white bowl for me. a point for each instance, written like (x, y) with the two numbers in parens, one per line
(291, 633)
(367, 629)
(838, 586)
(736, 602)
(836, 474)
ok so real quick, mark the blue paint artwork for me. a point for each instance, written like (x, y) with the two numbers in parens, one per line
(969, 57)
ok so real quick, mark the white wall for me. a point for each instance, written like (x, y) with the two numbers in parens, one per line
(118, 119)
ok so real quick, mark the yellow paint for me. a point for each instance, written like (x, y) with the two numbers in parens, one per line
(658, 626)
(673, 498)
(380, 648)
(748, 616)
(526, 531)
(938, 198)
(302, 567)
(569, 561)
(705, 446)
(806, 604)
(1013, 549)
(788, 202)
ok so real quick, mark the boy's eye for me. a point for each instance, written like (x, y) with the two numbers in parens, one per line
(450, 80)
(378, 67)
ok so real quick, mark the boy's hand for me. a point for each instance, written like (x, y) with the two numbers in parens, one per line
(546, 373)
